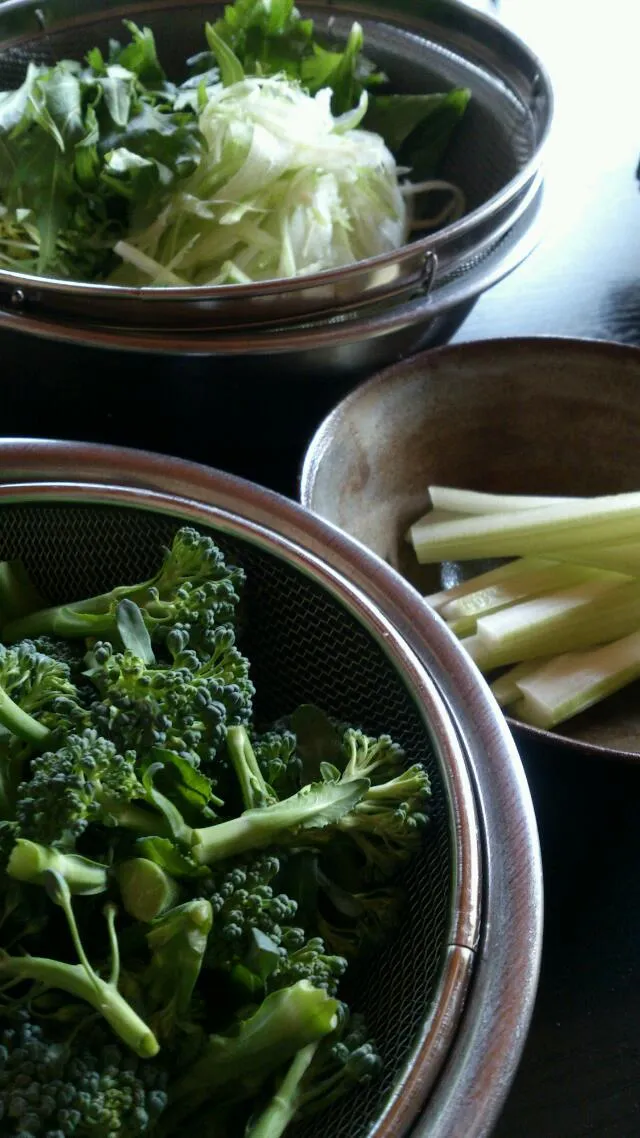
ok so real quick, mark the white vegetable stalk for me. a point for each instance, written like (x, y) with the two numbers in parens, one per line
(477, 502)
(540, 531)
(502, 573)
(283, 189)
(517, 588)
(569, 684)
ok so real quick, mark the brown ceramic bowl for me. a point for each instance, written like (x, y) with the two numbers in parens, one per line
(534, 416)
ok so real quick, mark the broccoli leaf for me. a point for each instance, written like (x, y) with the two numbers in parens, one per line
(318, 740)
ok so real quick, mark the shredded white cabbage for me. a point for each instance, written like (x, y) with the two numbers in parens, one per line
(284, 188)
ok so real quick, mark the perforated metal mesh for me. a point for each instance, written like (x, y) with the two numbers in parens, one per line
(304, 646)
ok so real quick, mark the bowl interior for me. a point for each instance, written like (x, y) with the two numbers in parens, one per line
(530, 416)
(304, 647)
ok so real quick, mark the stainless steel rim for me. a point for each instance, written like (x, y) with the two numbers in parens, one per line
(478, 1069)
(302, 337)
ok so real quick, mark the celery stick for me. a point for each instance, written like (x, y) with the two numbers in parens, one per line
(484, 580)
(517, 588)
(612, 615)
(476, 502)
(507, 625)
(624, 557)
(575, 681)
(605, 520)
(505, 688)
(433, 517)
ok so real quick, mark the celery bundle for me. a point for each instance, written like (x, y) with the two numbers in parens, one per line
(557, 627)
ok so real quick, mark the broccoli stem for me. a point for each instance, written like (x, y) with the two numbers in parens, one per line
(19, 722)
(146, 890)
(254, 790)
(100, 994)
(94, 616)
(30, 861)
(274, 1120)
(240, 1062)
(315, 806)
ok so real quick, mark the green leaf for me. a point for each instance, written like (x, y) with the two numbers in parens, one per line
(117, 88)
(14, 104)
(318, 740)
(180, 777)
(133, 631)
(164, 853)
(417, 128)
(140, 55)
(63, 101)
(231, 70)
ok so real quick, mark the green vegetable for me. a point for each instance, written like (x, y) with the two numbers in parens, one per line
(252, 865)
(81, 980)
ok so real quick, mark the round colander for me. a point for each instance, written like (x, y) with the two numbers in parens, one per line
(495, 155)
(449, 999)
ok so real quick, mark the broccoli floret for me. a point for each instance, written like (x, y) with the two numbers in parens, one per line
(68, 652)
(238, 1063)
(314, 809)
(81, 980)
(193, 588)
(36, 697)
(312, 962)
(49, 1089)
(186, 707)
(388, 822)
(320, 1073)
(85, 781)
(277, 758)
(244, 901)
(253, 788)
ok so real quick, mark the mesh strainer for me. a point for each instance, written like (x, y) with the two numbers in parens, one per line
(316, 631)
(495, 156)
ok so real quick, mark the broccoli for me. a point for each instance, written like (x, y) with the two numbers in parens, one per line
(316, 807)
(193, 588)
(52, 1089)
(30, 863)
(310, 962)
(85, 781)
(81, 980)
(239, 1062)
(186, 706)
(254, 790)
(351, 924)
(36, 697)
(147, 891)
(178, 942)
(244, 901)
(319, 1074)
(279, 763)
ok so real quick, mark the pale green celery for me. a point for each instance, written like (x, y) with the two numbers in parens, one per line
(485, 580)
(476, 502)
(605, 521)
(434, 517)
(572, 682)
(623, 557)
(517, 588)
(503, 628)
(505, 689)
(613, 614)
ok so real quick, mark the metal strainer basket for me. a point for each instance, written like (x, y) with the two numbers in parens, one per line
(318, 630)
(495, 156)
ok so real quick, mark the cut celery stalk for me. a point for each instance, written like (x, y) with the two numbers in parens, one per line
(484, 580)
(517, 588)
(605, 520)
(610, 616)
(505, 688)
(476, 502)
(571, 683)
(624, 557)
(434, 517)
(506, 626)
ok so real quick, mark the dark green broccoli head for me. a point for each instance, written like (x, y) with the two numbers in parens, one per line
(343, 1059)
(49, 1090)
(40, 686)
(244, 900)
(311, 962)
(85, 781)
(185, 707)
(279, 762)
